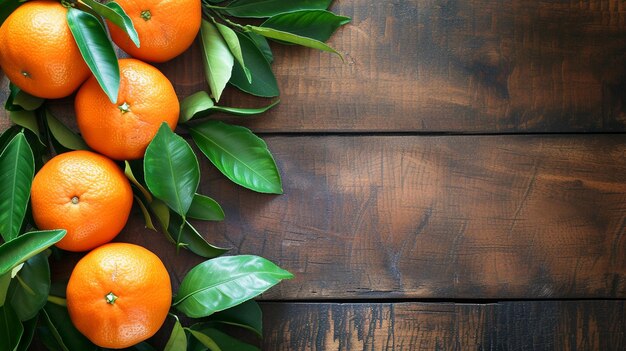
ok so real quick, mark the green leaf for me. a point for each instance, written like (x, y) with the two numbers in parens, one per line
(128, 171)
(292, 38)
(26, 246)
(17, 168)
(247, 315)
(268, 8)
(226, 342)
(316, 24)
(237, 111)
(205, 340)
(205, 208)
(96, 49)
(27, 101)
(178, 338)
(30, 287)
(116, 14)
(239, 155)
(11, 328)
(5, 281)
(193, 241)
(200, 105)
(224, 282)
(26, 119)
(29, 331)
(65, 334)
(7, 7)
(146, 214)
(261, 43)
(263, 80)
(8, 135)
(231, 39)
(195, 104)
(218, 60)
(8, 104)
(161, 211)
(171, 170)
(65, 136)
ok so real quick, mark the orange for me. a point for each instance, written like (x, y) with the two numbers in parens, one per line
(86, 194)
(123, 130)
(165, 28)
(119, 295)
(38, 52)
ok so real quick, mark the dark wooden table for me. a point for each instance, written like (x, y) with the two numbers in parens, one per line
(459, 183)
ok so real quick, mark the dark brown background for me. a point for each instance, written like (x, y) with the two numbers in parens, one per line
(458, 183)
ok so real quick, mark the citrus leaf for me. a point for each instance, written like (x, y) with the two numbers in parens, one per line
(29, 331)
(96, 49)
(268, 8)
(146, 214)
(116, 14)
(226, 342)
(263, 80)
(224, 282)
(247, 315)
(25, 246)
(231, 39)
(195, 104)
(17, 168)
(26, 101)
(65, 136)
(239, 155)
(5, 281)
(171, 170)
(178, 338)
(30, 287)
(292, 38)
(237, 111)
(128, 171)
(218, 60)
(205, 340)
(8, 135)
(142, 346)
(65, 334)
(261, 43)
(26, 119)
(315, 24)
(205, 208)
(192, 240)
(159, 208)
(11, 328)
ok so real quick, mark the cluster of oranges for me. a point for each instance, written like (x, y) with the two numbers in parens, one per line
(118, 294)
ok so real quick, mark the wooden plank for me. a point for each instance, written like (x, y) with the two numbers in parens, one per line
(535, 325)
(478, 66)
(429, 217)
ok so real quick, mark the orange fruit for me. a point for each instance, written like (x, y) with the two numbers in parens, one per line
(123, 130)
(38, 52)
(165, 28)
(86, 194)
(119, 295)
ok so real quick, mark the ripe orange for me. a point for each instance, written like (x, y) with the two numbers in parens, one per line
(123, 130)
(85, 193)
(166, 28)
(119, 295)
(38, 52)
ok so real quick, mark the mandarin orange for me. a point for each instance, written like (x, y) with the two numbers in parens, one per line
(119, 295)
(38, 52)
(85, 193)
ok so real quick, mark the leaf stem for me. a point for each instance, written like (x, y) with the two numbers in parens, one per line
(57, 300)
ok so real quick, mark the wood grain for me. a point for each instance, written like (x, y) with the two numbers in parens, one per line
(429, 217)
(535, 325)
(477, 66)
